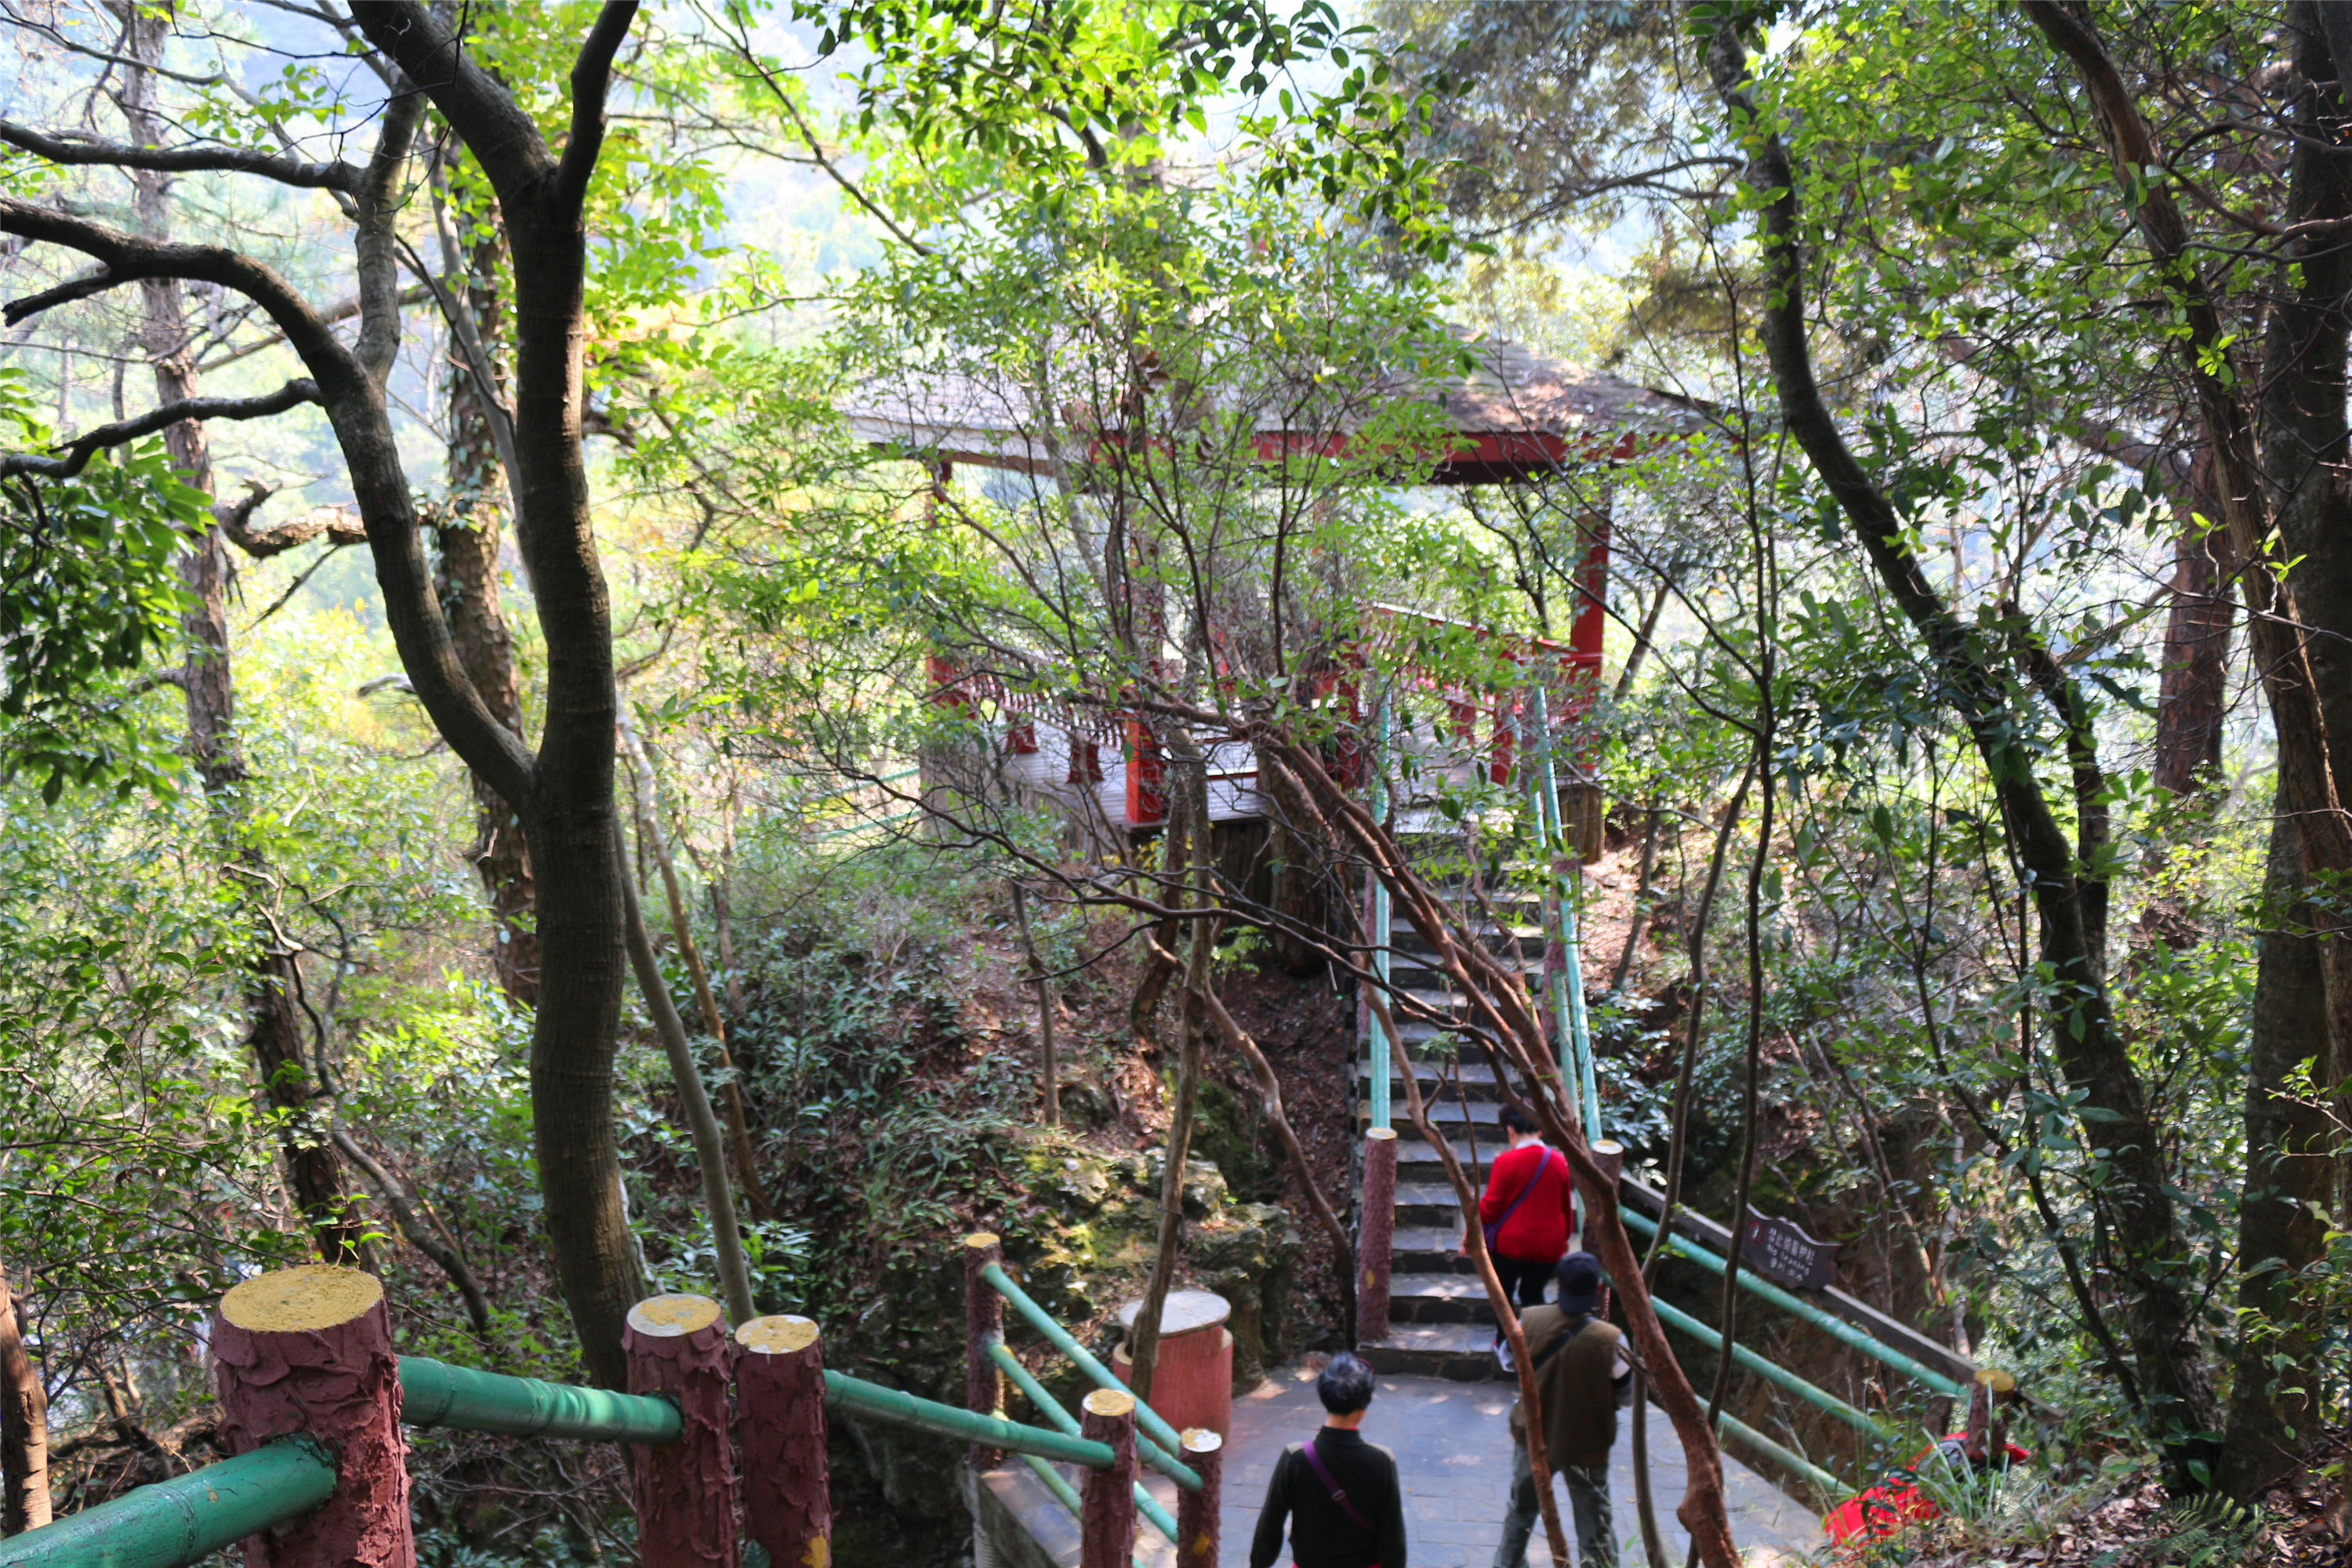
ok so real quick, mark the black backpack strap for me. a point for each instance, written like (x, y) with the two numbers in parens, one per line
(1575, 1326)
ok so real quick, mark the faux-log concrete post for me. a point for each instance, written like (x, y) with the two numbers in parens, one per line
(1196, 1512)
(780, 1433)
(1107, 1501)
(309, 1350)
(983, 1325)
(1378, 1234)
(1610, 1156)
(684, 1491)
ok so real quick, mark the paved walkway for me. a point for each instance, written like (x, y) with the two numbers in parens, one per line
(1455, 1454)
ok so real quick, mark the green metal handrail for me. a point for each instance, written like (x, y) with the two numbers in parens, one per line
(1051, 1409)
(1826, 1484)
(1844, 1332)
(1820, 1398)
(1568, 986)
(173, 1523)
(903, 1409)
(1062, 1493)
(435, 1394)
(1158, 1449)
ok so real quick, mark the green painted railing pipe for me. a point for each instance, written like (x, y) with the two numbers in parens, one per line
(1152, 1432)
(1051, 1409)
(173, 1523)
(1844, 1332)
(1780, 1376)
(1568, 983)
(434, 1394)
(1063, 1493)
(902, 1409)
(1829, 1487)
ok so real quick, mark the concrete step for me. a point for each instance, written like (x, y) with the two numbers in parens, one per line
(1432, 1298)
(1427, 1206)
(1476, 1077)
(1446, 1112)
(1462, 1352)
(1418, 1162)
(1426, 1249)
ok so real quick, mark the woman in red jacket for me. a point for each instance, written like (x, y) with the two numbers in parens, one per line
(1529, 1212)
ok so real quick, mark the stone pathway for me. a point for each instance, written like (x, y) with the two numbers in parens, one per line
(1455, 1454)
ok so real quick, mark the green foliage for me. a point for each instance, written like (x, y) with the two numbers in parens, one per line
(88, 594)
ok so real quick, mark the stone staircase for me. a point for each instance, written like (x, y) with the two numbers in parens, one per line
(1439, 1324)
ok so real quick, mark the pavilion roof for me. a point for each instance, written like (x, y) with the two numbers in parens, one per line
(1514, 415)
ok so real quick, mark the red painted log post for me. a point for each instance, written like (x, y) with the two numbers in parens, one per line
(983, 1325)
(684, 1491)
(1196, 1512)
(1378, 1233)
(309, 1350)
(780, 1433)
(1107, 1517)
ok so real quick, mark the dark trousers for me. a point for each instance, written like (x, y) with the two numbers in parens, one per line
(1523, 1284)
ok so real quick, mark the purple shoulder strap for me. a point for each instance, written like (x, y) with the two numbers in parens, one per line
(1337, 1495)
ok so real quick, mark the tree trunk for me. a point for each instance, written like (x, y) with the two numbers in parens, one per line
(2193, 691)
(651, 838)
(274, 1034)
(702, 1123)
(2289, 1188)
(1143, 1343)
(564, 794)
(466, 581)
(1049, 1089)
(2134, 1203)
(24, 1428)
(2287, 478)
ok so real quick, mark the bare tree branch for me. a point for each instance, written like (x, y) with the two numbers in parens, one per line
(71, 148)
(79, 450)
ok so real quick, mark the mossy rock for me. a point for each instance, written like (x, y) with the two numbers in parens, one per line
(1205, 1192)
(1226, 1131)
(1084, 1106)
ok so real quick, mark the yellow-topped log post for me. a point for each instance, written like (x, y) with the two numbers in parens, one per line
(307, 1351)
(684, 1491)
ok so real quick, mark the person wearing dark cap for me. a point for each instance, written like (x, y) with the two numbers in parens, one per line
(1339, 1492)
(1582, 1378)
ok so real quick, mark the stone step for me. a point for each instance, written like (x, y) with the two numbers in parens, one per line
(1462, 1352)
(1476, 1077)
(1418, 1162)
(1444, 1110)
(1426, 1249)
(1434, 1297)
(1427, 1204)
(1525, 943)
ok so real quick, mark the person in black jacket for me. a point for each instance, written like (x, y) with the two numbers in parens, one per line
(1339, 1492)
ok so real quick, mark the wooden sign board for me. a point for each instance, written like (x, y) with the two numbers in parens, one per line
(1786, 1256)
